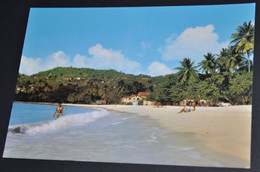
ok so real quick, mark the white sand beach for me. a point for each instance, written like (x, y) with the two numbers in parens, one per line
(225, 131)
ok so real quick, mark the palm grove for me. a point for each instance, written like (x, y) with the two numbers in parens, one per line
(226, 76)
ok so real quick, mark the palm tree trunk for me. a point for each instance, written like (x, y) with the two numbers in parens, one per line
(248, 61)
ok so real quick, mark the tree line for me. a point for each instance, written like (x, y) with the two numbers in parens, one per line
(225, 77)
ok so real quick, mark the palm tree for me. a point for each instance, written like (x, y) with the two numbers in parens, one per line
(187, 71)
(222, 60)
(244, 40)
(209, 64)
(243, 66)
(235, 59)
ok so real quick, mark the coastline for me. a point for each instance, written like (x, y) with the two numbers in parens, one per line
(225, 131)
(40, 103)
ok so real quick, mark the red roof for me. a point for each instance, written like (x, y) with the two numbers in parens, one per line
(139, 94)
(143, 94)
(131, 96)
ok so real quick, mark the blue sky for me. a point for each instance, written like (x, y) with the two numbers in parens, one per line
(148, 40)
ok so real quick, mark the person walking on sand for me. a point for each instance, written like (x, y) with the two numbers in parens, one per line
(59, 111)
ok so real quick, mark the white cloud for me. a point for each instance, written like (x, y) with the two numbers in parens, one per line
(100, 58)
(80, 61)
(30, 65)
(34, 65)
(57, 59)
(156, 68)
(193, 43)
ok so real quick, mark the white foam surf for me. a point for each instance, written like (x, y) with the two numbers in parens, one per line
(60, 123)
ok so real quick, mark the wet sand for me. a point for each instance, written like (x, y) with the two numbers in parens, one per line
(225, 131)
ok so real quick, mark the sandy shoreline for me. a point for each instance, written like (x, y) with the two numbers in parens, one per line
(224, 130)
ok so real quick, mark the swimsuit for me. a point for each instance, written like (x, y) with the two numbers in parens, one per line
(59, 113)
(187, 108)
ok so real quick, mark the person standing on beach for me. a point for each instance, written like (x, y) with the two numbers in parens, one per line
(59, 111)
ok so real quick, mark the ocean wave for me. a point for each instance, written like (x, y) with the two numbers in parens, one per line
(60, 123)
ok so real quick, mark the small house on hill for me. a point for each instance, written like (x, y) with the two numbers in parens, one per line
(135, 98)
(143, 94)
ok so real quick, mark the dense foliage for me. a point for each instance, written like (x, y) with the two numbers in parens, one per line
(81, 85)
(226, 77)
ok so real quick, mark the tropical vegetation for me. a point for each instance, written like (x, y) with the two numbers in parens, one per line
(223, 77)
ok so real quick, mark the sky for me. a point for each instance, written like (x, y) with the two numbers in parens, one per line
(135, 40)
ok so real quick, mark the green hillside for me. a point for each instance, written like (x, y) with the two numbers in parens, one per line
(226, 76)
(85, 85)
(73, 72)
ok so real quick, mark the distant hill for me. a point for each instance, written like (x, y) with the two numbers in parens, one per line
(109, 74)
(73, 72)
(85, 85)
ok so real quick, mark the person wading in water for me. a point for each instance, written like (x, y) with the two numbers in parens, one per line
(59, 111)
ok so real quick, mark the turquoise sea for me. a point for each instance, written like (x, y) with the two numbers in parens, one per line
(86, 134)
